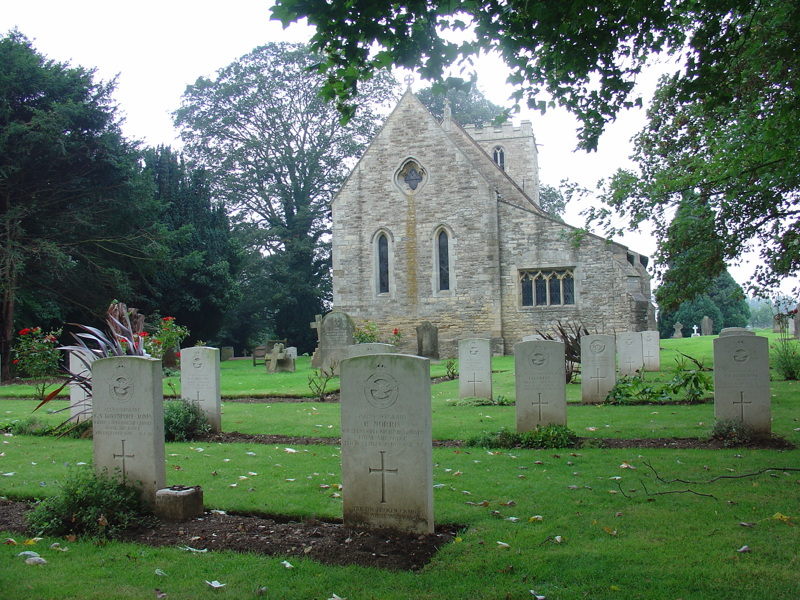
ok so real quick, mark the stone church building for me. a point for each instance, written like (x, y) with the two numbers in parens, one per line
(441, 223)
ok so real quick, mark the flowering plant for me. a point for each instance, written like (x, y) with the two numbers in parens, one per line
(168, 336)
(36, 355)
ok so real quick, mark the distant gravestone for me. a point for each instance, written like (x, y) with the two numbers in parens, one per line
(678, 333)
(707, 326)
(200, 383)
(291, 352)
(780, 323)
(651, 350)
(735, 331)
(630, 352)
(428, 340)
(128, 420)
(794, 322)
(225, 353)
(741, 381)
(387, 465)
(80, 399)
(335, 336)
(541, 388)
(278, 361)
(695, 329)
(370, 348)
(474, 368)
(598, 367)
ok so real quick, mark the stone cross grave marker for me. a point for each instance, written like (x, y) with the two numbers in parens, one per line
(428, 340)
(335, 335)
(128, 421)
(279, 361)
(541, 388)
(474, 368)
(387, 464)
(200, 383)
(707, 326)
(80, 401)
(630, 352)
(741, 381)
(695, 331)
(598, 367)
(370, 348)
(651, 350)
(678, 333)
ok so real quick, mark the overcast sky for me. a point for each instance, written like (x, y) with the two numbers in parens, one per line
(157, 48)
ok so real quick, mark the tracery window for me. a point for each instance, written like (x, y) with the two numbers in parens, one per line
(499, 157)
(547, 287)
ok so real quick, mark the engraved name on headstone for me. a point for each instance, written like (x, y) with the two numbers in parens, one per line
(741, 381)
(387, 465)
(335, 335)
(541, 389)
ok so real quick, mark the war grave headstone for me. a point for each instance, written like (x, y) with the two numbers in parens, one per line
(735, 331)
(428, 340)
(335, 336)
(651, 350)
(532, 338)
(128, 420)
(278, 361)
(741, 381)
(541, 388)
(474, 368)
(200, 383)
(370, 348)
(678, 333)
(80, 401)
(630, 354)
(387, 464)
(598, 367)
(707, 326)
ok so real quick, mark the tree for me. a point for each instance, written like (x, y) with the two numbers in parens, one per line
(688, 314)
(728, 144)
(552, 201)
(197, 285)
(729, 298)
(77, 222)
(276, 153)
(467, 107)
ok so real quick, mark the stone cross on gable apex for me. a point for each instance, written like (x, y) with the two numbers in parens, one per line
(409, 80)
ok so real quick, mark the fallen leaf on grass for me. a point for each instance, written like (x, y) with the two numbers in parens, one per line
(744, 549)
(780, 517)
(537, 596)
(160, 573)
(190, 549)
(290, 450)
(287, 564)
(535, 518)
(159, 594)
(743, 524)
(335, 597)
(31, 541)
(35, 560)
(215, 584)
(503, 545)
(28, 553)
(626, 465)
(610, 531)
(10, 542)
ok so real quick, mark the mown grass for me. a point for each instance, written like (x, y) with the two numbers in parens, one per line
(625, 533)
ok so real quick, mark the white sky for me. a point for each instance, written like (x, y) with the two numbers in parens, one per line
(160, 47)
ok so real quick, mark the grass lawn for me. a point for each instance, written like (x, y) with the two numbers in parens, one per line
(627, 529)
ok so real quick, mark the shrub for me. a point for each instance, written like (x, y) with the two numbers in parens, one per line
(474, 401)
(36, 356)
(543, 438)
(451, 368)
(367, 334)
(183, 421)
(89, 504)
(319, 380)
(732, 433)
(785, 358)
(695, 382)
(30, 426)
(633, 389)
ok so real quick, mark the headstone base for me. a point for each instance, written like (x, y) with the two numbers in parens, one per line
(179, 503)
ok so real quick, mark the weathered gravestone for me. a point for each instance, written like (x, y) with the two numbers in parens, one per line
(741, 381)
(630, 352)
(278, 361)
(291, 352)
(541, 388)
(474, 368)
(128, 420)
(678, 333)
(80, 399)
(598, 367)
(370, 348)
(707, 326)
(387, 465)
(226, 353)
(428, 340)
(200, 383)
(651, 350)
(532, 338)
(335, 336)
(735, 331)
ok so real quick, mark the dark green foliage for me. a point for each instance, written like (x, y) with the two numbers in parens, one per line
(451, 368)
(548, 437)
(689, 378)
(732, 433)
(89, 504)
(633, 389)
(552, 201)
(691, 312)
(474, 401)
(693, 380)
(467, 106)
(183, 421)
(729, 298)
(29, 426)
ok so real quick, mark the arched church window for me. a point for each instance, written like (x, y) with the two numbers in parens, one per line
(443, 252)
(383, 264)
(499, 157)
(547, 287)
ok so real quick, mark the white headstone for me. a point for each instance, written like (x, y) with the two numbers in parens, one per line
(598, 367)
(741, 381)
(474, 368)
(291, 352)
(541, 385)
(128, 420)
(532, 338)
(695, 331)
(630, 355)
(735, 331)
(387, 465)
(651, 350)
(370, 348)
(80, 400)
(200, 382)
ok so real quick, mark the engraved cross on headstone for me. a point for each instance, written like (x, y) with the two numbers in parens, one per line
(474, 381)
(123, 456)
(383, 470)
(539, 404)
(629, 363)
(741, 404)
(598, 378)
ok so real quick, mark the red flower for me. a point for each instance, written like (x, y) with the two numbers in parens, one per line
(25, 331)
(16, 360)
(396, 331)
(168, 319)
(143, 334)
(156, 341)
(177, 355)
